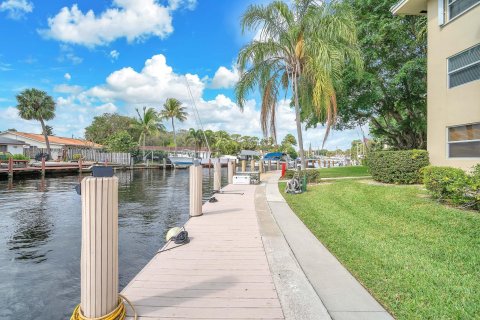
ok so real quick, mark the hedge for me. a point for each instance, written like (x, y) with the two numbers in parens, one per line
(400, 167)
(313, 176)
(453, 185)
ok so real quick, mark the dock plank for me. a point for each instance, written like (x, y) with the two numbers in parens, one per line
(223, 273)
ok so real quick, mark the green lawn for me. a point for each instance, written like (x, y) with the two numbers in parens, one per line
(420, 259)
(338, 172)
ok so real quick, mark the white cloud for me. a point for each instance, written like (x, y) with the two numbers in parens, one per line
(106, 108)
(130, 19)
(67, 76)
(114, 54)
(225, 78)
(65, 88)
(67, 54)
(16, 9)
(188, 4)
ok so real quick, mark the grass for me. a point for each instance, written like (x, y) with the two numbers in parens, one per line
(420, 259)
(338, 172)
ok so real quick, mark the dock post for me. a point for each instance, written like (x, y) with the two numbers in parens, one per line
(209, 163)
(99, 250)
(217, 176)
(278, 164)
(10, 167)
(43, 166)
(252, 165)
(244, 165)
(196, 177)
(260, 166)
(80, 166)
(269, 165)
(230, 171)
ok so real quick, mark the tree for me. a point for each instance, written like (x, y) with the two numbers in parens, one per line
(173, 109)
(390, 95)
(147, 124)
(12, 130)
(249, 143)
(49, 130)
(303, 48)
(289, 139)
(196, 136)
(34, 104)
(108, 124)
(121, 141)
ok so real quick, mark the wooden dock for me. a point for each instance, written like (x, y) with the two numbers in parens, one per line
(223, 273)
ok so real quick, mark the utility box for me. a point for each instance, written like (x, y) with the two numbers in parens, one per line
(241, 179)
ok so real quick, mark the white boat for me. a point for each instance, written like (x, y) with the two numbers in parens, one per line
(180, 159)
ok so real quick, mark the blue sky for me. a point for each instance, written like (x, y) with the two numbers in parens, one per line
(115, 56)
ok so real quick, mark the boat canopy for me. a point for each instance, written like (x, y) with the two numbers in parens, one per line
(249, 153)
(273, 156)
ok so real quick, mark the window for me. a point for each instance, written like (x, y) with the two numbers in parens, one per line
(464, 141)
(456, 7)
(464, 67)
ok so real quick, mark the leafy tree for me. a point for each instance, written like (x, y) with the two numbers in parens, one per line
(249, 143)
(303, 48)
(289, 139)
(12, 130)
(196, 136)
(148, 123)
(106, 125)
(390, 94)
(121, 141)
(173, 109)
(34, 104)
(49, 130)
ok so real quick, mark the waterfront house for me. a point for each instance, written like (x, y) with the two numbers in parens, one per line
(12, 146)
(60, 146)
(453, 81)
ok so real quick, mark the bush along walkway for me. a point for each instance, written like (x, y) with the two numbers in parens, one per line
(343, 296)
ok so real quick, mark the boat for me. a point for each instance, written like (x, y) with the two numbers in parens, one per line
(181, 159)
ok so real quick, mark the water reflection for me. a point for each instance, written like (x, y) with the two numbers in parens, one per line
(40, 223)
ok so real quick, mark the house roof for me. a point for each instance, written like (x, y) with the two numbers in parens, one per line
(410, 7)
(172, 149)
(57, 140)
(4, 140)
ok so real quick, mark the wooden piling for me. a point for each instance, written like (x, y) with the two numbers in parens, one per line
(269, 165)
(80, 166)
(43, 166)
(230, 171)
(260, 166)
(244, 165)
(278, 164)
(196, 177)
(99, 251)
(10, 167)
(252, 165)
(217, 176)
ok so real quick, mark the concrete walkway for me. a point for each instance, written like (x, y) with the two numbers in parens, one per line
(343, 296)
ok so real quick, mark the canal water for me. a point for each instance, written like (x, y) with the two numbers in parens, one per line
(40, 231)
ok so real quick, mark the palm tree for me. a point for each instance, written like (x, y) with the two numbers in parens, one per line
(147, 124)
(34, 104)
(302, 48)
(173, 109)
(197, 137)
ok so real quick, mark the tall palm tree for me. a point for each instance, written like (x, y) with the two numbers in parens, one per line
(148, 124)
(173, 109)
(302, 49)
(34, 104)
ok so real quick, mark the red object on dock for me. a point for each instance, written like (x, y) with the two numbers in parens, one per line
(284, 169)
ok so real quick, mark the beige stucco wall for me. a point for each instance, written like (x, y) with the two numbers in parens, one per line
(456, 106)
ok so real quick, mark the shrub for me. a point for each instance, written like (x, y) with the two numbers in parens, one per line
(313, 176)
(20, 157)
(401, 167)
(76, 156)
(453, 185)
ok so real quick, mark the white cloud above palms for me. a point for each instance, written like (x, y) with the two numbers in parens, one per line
(225, 78)
(134, 20)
